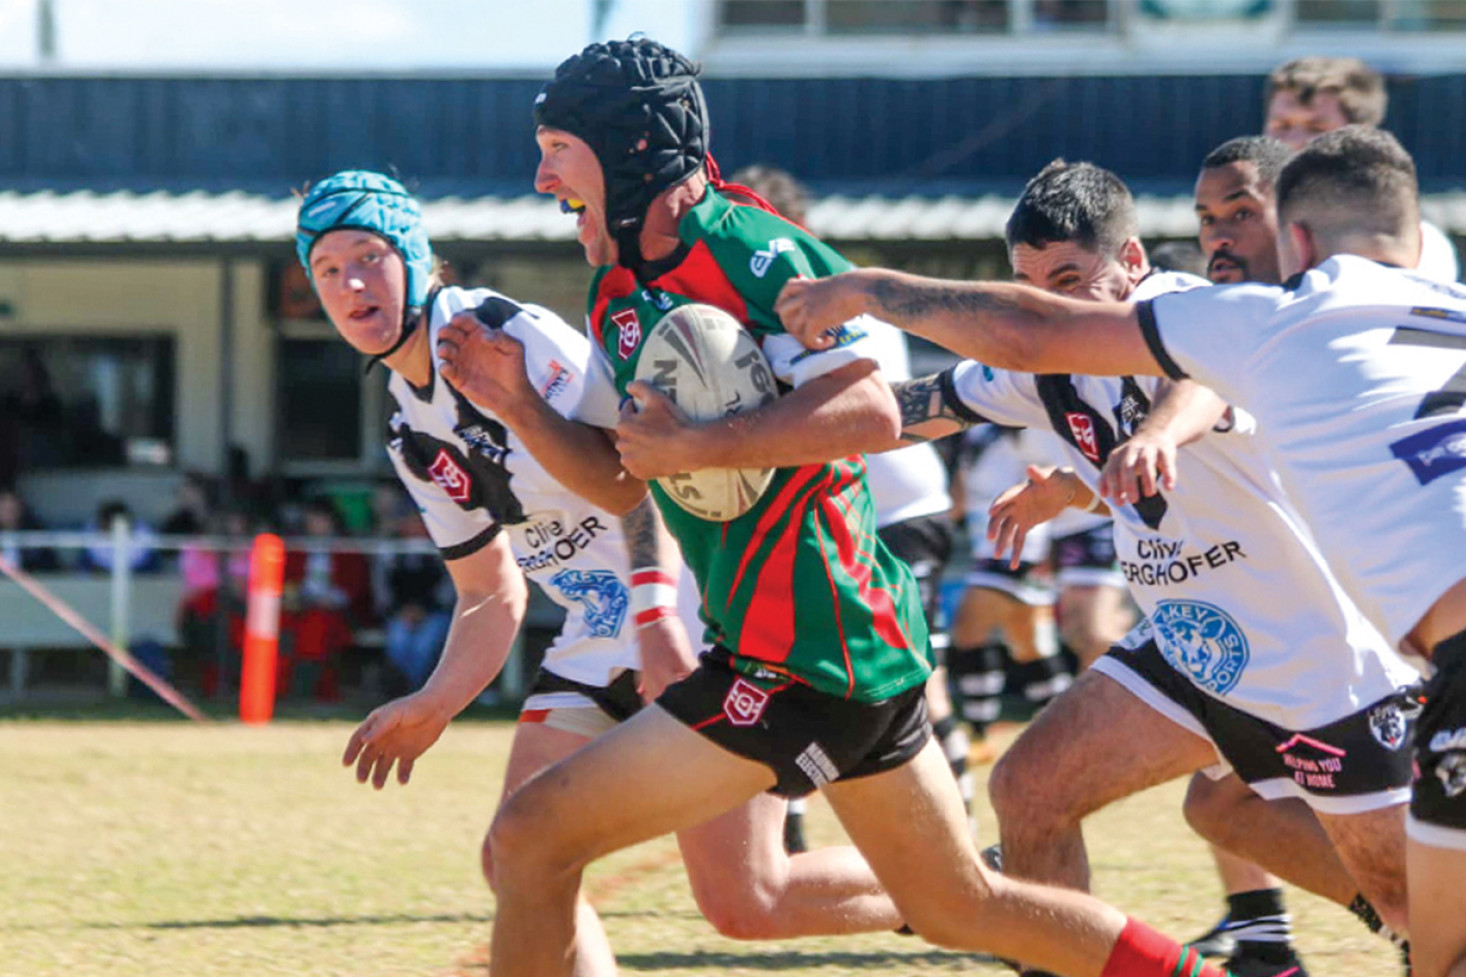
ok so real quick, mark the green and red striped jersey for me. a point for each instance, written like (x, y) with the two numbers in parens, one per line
(799, 586)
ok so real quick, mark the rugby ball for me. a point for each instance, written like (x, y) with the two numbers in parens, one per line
(709, 366)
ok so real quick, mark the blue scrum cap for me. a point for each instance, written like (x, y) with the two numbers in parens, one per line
(372, 202)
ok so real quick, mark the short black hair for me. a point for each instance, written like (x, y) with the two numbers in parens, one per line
(1267, 154)
(1178, 256)
(1077, 202)
(1357, 177)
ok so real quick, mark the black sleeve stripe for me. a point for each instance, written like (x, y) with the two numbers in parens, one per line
(495, 311)
(471, 546)
(1152, 334)
(953, 400)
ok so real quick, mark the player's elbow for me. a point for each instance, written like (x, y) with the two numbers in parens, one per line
(879, 411)
(623, 496)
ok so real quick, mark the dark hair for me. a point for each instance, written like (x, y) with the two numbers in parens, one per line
(1178, 256)
(776, 186)
(1077, 202)
(1359, 88)
(1265, 153)
(1361, 174)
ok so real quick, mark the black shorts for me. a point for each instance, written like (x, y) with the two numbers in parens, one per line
(807, 738)
(1354, 764)
(924, 543)
(619, 700)
(1438, 807)
(1087, 559)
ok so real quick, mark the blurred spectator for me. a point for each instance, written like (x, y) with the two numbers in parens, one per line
(142, 556)
(778, 187)
(1178, 256)
(191, 514)
(16, 517)
(215, 588)
(418, 598)
(326, 596)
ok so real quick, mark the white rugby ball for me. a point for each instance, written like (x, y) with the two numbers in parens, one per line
(707, 363)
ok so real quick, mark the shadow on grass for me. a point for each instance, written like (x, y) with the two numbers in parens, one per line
(266, 922)
(703, 961)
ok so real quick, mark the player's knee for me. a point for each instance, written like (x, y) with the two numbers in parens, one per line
(522, 842)
(1021, 794)
(741, 912)
(486, 858)
(1207, 808)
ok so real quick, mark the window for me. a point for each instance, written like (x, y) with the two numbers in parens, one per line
(1342, 13)
(320, 401)
(778, 14)
(916, 16)
(85, 401)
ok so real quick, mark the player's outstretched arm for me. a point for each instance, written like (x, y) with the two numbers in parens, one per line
(492, 595)
(1005, 325)
(848, 411)
(487, 366)
(1184, 412)
(1014, 513)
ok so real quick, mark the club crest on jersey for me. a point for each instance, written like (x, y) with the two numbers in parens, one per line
(450, 476)
(745, 702)
(1082, 427)
(763, 259)
(1388, 727)
(1434, 453)
(603, 597)
(1203, 642)
(629, 331)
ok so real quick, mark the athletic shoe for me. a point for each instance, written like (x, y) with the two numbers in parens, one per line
(1217, 941)
(1239, 966)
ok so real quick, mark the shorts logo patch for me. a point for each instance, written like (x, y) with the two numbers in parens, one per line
(1313, 763)
(1203, 642)
(816, 764)
(1452, 771)
(1082, 427)
(1387, 726)
(745, 703)
(604, 598)
(1434, 453)
(450, 477)
(1448, 739)
(629, 334)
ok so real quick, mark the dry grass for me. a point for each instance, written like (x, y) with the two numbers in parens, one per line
(148, 849)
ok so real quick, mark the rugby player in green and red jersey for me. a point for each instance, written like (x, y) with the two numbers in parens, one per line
(821, 655)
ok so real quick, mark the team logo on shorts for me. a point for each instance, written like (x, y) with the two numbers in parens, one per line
(629, 336)
(602, 596)
(1203, 642)
(1448, 739)
(1387, 726)
(1082, 427)
(745, 703)
(1452, 771)
(450, 477)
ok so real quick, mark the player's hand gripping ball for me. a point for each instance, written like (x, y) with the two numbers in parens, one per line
(710, 367)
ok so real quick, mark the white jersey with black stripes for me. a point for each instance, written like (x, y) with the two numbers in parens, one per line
(1239, 598)
(1356, 373)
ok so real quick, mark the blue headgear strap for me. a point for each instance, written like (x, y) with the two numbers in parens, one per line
(363, 200)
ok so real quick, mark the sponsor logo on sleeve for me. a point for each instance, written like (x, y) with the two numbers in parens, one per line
(450, 477)
(1202, 642)
(1082, 427)
(745, 702)
(761, 261)
(1434, 453)
(629, 334)
(843, 335)
(559, 379)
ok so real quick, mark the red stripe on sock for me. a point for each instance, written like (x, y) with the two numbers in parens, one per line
(1143, 952)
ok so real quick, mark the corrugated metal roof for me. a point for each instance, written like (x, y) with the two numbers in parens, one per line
(123, 218)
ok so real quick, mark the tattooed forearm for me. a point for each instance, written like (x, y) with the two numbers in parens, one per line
(925, 415)
(642, 528)
(903, 299)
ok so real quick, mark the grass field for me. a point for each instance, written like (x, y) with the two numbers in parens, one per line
(143, 849)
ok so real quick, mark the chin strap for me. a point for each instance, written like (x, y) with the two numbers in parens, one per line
(410, 321)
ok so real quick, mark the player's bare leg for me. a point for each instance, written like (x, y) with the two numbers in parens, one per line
(1282, 837)
(1093, 745)
(1092, 618)
(910, 825)
(536, 747)
(1438, 936)
(660, 775)
(750, 889)
(1371, 845)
